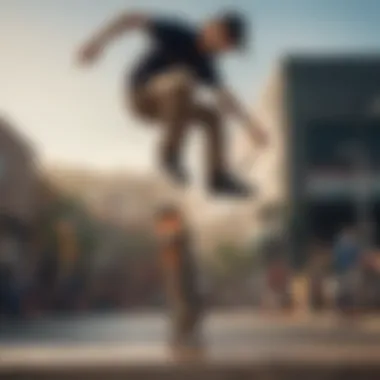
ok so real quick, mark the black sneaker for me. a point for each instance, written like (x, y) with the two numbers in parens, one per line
(226, 184)
(175, 171)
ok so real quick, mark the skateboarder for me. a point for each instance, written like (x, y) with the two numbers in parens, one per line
(180, 280)
(163, 87)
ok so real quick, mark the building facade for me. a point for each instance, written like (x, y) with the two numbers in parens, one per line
(18, 175)
(324, 114)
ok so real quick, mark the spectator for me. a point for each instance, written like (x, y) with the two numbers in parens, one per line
(180, 280)
(278, 275)
(371, 280)
(347, 255)
(317, 273)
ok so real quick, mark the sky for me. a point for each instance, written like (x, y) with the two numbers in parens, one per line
(76, 116)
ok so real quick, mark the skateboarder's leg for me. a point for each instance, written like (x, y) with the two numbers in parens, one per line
(174, 107)
(210, 120)
(167, 99)
(219, 179)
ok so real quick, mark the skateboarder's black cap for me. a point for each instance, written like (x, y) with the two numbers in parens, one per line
(236, 25)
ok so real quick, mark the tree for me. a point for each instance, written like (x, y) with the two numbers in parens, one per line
(232, 261)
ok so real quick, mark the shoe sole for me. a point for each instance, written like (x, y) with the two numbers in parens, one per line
(233, 194)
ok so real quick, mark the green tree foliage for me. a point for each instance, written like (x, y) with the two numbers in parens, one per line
(231, 261)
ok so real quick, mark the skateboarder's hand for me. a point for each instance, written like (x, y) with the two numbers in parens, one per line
(89, 53)
(230, 103)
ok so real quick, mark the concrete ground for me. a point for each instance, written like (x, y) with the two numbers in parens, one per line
(242, 343)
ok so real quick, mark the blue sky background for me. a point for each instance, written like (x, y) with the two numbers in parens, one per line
(76, 116)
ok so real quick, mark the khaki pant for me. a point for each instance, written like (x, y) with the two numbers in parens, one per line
(169, 98)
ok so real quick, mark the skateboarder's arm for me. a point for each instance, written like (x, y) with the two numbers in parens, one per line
(232, 105)
(118, 26)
